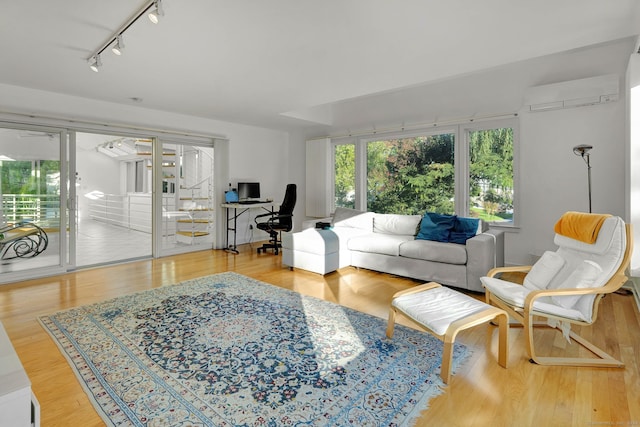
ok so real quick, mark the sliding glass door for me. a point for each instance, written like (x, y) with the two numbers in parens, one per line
(73, 199)
(114, 203)
(186, 216)
(125, 181)
(33, 217)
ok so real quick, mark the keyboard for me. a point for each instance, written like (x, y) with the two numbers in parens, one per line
(249, 202)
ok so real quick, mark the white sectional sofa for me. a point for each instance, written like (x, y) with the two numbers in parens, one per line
(388, 243)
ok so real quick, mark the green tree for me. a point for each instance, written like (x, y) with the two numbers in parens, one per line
(30, 182)
(411, 175)
(345, 175)
(29, 177)
(491, 169)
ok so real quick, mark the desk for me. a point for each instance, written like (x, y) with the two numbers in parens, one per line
(267, 206)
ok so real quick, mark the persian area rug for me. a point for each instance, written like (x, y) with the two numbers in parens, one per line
(227, 350)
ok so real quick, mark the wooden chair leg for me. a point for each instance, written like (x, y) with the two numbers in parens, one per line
(603, 358)
(447, 355)
(503, 336)
(528, 336)
(391, 322)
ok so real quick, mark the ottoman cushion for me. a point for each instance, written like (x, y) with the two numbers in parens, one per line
(315, 241)
(437, 308)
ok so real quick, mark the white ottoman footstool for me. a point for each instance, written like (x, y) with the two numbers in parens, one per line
(315, 250)
(444, 312)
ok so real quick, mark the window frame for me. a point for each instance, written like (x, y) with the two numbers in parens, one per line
(461, 134)
(332, 200)
(401, 135)
(465, 130)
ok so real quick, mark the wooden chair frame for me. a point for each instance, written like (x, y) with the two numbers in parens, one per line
(490, 314)
(525, 315)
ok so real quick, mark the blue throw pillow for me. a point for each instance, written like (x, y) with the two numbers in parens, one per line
(463, 229)
(436, 227)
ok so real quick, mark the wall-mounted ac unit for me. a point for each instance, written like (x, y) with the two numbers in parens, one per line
(573, 93)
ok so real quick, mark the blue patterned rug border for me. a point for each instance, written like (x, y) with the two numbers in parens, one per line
(201, 402)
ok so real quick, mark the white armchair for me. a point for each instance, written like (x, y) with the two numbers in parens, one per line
(565, 287)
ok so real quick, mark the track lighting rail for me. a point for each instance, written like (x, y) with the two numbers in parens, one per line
(154, 10)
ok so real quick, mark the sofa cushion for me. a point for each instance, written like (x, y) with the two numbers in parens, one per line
(406, 225)
(352, 218)
(385, 244)
(436, 227)
(464, 229)
(429, 250)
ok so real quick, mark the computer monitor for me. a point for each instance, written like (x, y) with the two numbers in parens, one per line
(248, 190)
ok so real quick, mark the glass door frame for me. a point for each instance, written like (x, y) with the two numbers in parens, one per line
(67, 132)
(157, 194)
(71, 201)
(65, 138)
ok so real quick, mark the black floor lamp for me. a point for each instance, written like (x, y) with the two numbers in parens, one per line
(582, 150)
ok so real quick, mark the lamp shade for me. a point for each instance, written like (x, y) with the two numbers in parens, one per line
(582, 149)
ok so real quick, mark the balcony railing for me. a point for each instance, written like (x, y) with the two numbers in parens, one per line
(131, 211)
(42, 209)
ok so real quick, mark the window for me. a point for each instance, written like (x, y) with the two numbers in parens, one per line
(411, 175)
(137, 172)
(467, 170)
(491, 174)
(344, 169)
(30, 190)
(140, 174)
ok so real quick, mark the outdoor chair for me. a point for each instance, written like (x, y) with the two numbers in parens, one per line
(22, 240)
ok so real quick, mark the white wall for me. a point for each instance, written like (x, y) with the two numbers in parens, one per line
(633, 147)
(554, 180)
(95, 172)
(253, 152)
(297, 168)
(258, 156)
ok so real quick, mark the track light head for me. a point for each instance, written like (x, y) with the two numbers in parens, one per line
(95, 63)
(153, 8)
(156, 12)
(118, 46)
(582, 149)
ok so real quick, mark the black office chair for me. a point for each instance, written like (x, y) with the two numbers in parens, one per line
(278, 221)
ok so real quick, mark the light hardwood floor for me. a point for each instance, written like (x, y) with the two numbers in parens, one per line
(481, 393)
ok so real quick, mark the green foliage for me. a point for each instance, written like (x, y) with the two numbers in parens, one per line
(415, 175)
(27, 177)
(33, 185)
(411, 175)
(491, 170)
(345, 175)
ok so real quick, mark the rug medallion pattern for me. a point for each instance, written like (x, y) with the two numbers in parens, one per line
(227, 350)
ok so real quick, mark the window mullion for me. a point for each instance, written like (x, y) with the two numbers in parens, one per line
(430, 170)
(361, 174)
(461, 156)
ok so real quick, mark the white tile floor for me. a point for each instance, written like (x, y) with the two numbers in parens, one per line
(97, 244)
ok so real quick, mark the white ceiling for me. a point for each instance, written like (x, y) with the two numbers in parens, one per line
(337, 64)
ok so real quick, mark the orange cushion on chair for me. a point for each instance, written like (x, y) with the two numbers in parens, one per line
(580, 226)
